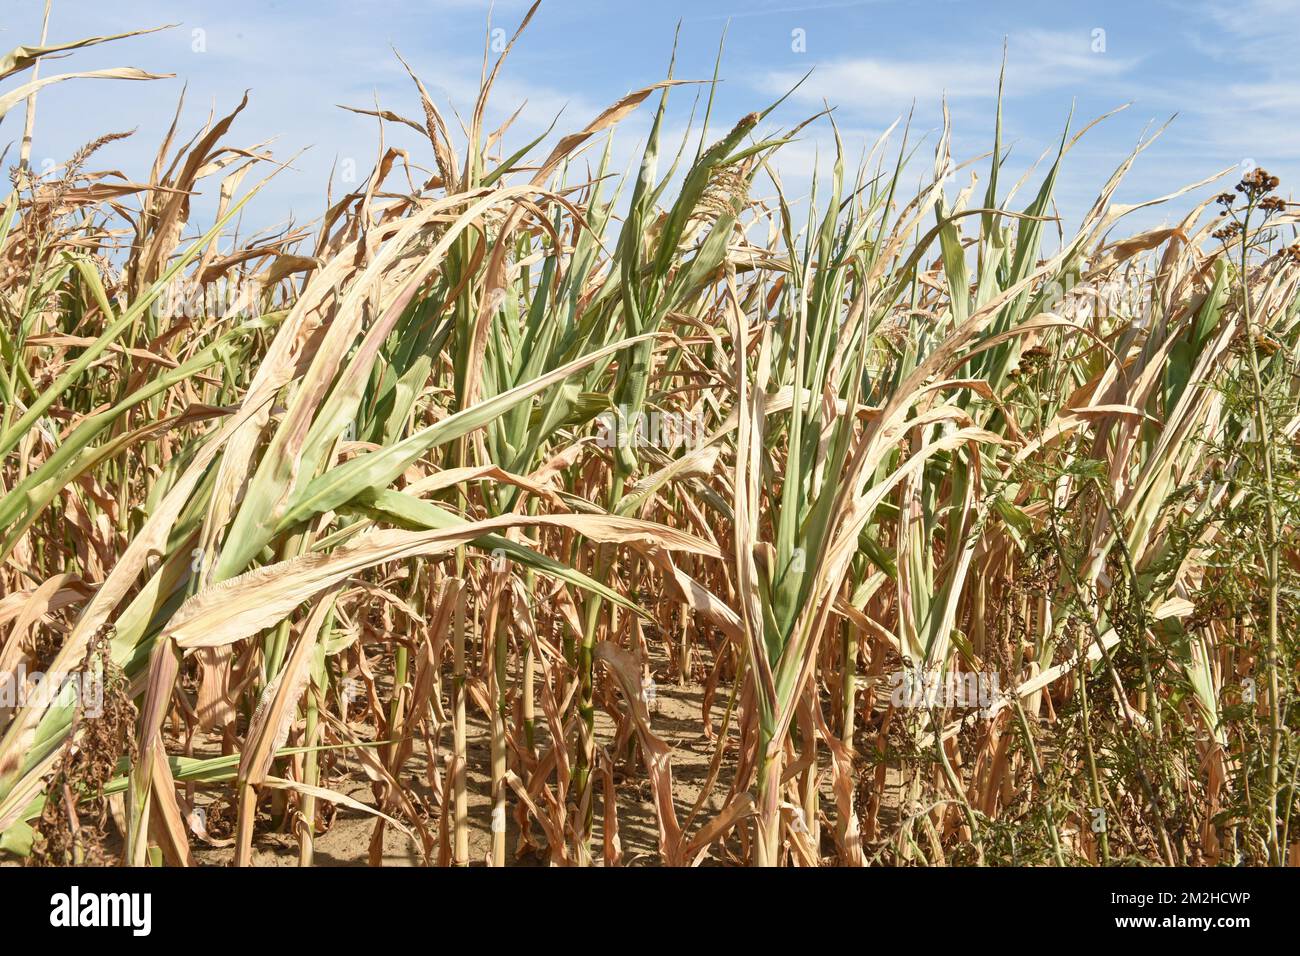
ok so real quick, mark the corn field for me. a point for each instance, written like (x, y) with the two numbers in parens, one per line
(519, 511)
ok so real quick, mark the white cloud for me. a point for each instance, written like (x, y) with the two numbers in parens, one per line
(1037, 60)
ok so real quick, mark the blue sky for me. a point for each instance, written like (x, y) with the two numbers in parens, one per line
(1229, 70)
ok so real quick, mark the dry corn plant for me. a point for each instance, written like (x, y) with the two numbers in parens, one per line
(511, 513)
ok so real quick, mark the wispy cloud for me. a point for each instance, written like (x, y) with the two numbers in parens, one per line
(1247, 103)
(1037, 60)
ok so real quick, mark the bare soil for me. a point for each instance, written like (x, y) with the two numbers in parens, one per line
(675, 717)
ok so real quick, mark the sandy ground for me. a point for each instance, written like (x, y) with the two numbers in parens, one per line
(675, 717)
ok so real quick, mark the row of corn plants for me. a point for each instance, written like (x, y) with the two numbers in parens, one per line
(976, 536)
